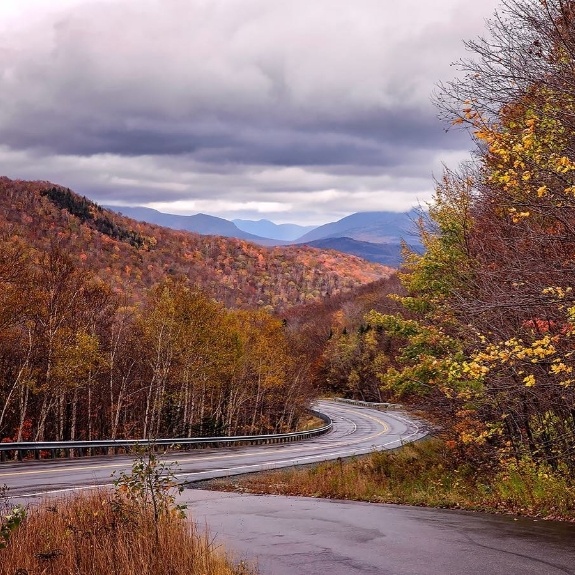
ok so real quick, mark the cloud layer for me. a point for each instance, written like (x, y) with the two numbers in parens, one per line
(297, 111)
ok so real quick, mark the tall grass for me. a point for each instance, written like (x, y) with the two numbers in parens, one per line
(97, 534)
(426, 474)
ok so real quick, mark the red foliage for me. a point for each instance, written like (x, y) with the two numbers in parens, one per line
(235, 272)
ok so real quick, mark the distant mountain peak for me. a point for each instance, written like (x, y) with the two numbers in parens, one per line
(374, 227)
(268, 229)
(199, 223)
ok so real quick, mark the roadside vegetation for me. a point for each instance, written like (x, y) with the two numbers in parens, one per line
(482, 336)
(177, 364)
(92, 535)
(422, 474)
(136, 529)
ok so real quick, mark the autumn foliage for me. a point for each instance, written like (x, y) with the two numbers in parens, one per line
(492, 297)
(485, 336)
(111, 328)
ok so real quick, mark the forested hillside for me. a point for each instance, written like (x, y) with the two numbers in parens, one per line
(132, 256)
(110, 328)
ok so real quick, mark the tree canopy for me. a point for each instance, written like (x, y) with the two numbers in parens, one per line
(486, 333)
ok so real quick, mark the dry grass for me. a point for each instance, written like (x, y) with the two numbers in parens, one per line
(96, 534)
(423, 474)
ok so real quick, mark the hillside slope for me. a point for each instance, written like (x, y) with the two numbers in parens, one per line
(133, 256)
(197, 223)
(373, 227)
(385, 254)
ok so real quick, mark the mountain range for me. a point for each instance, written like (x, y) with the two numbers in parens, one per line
(373, 236)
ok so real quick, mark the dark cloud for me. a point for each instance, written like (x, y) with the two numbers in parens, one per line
(189, 100)
(383, 139)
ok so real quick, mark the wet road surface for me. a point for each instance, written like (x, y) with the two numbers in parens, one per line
(299, 536)
(305, 536)
(355, 431)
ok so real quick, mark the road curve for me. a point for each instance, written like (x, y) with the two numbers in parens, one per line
(356, 430)
(302, 536)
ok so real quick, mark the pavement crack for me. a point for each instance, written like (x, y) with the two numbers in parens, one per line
(559, 568)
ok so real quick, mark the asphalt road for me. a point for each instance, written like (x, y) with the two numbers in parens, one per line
(299, 536)
(356, 430)
(305, 536)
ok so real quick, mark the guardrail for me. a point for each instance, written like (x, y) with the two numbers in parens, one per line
(20, 449)
(381, 406)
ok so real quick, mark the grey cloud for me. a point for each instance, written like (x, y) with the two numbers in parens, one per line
(335, 87)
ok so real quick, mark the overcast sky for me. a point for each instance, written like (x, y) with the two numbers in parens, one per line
(297, 111)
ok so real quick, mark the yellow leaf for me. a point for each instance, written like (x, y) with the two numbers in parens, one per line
(529, 381)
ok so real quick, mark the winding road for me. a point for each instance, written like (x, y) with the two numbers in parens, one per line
(355, 431)
(304, 536)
